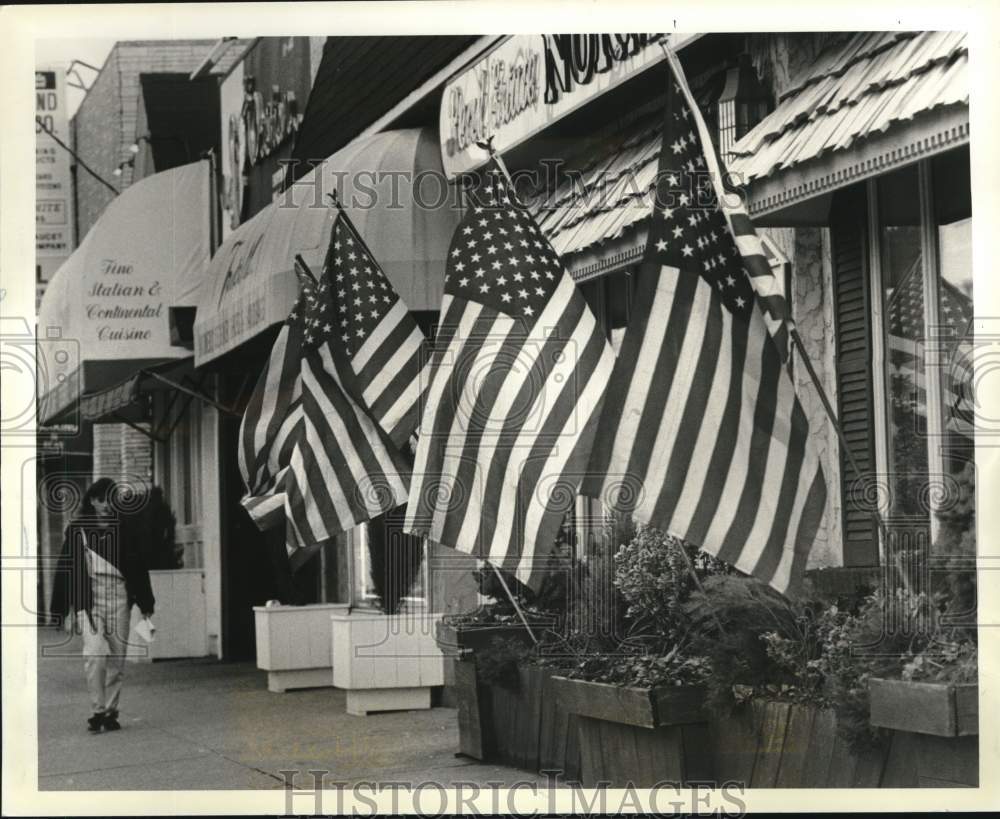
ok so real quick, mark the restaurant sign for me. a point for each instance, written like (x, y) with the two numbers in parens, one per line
(528, 82)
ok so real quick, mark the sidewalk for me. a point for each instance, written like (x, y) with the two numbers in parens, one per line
(203, 724)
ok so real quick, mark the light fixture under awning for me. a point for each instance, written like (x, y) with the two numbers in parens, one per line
(106, 313)
(392, 186)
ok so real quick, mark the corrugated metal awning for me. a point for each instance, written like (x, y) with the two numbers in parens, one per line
(867, 104)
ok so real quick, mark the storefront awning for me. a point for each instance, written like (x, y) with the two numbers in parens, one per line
(392, 186)
(131, 401)
(867, 104)
(106, 313)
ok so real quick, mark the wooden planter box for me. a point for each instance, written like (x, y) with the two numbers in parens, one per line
(525, 726)
(939, 709)
(385, 662)
(935, 742)
(769, 744)
(637, 736)
(784, 745)
(458, 639)
(293, 645)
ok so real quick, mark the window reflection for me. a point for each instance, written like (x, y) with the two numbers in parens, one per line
(906, 396)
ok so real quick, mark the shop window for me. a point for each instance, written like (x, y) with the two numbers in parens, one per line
(384, 531)
(903, 310)
(899, 241)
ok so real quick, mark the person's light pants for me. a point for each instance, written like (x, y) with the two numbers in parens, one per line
(105, 644)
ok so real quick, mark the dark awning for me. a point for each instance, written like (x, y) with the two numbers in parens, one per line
(360, 78)
(131, 401)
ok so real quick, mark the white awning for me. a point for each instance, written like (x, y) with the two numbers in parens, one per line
(105, 313)
(391, 186)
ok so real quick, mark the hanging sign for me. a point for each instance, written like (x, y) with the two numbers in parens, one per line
(53, 177)
(528, 82)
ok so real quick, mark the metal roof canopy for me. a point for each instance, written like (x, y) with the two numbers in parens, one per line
(876, 102)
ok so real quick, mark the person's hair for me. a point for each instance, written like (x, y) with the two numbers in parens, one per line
(102, 489)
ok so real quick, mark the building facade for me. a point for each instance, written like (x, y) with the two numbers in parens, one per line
(852, 150)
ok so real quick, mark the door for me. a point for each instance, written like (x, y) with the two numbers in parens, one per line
(248, 578)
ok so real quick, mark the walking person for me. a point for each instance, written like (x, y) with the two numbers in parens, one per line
(100, 575)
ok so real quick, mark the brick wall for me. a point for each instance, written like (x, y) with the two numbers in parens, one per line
(105, 125)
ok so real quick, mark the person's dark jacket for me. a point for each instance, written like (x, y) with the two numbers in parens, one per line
(73, 589)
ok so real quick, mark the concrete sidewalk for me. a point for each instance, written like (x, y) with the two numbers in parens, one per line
(204, 724)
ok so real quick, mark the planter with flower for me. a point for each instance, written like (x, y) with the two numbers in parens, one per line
(500, 705)
(385, 656)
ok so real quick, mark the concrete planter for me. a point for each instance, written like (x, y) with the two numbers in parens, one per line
(293, 645)
(385, 662)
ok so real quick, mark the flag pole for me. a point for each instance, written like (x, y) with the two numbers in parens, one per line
(513, 600)
(305, 267)
(350, 225)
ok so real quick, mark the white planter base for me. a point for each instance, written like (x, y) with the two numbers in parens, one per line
(362, 702)
(281, 681)
(386, 663)
(293, 645)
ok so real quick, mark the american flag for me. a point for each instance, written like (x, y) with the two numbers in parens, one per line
(361, 370)
(518, 373)
(908, 348)
(272, 421)
(702, 434)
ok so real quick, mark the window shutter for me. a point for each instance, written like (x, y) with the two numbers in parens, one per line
(856, 406)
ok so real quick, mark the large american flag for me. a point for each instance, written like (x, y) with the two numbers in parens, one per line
(518, 373)
(361, 369)
(272, 421)
(701, 433)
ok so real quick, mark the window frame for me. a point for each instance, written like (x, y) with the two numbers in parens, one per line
(930, 276)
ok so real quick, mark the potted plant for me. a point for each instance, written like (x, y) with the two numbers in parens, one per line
(500, 697)
(630, 673)
(385, 657)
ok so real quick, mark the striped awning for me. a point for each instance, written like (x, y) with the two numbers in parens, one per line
(129, 399)
(866, 104)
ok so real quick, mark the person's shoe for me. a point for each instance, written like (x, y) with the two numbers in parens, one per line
(95, 723)
(111, 721)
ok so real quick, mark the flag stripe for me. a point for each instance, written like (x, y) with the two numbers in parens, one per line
(689, 294)
(545, 511)
(709, 493)
(634, 396)
(402, 344)
(380, 335)
(565, 416)
(675, 442)
(456, 323)
(773, 550)
(478, 357)
(552, 369)
(515, 396)
(767, 374)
